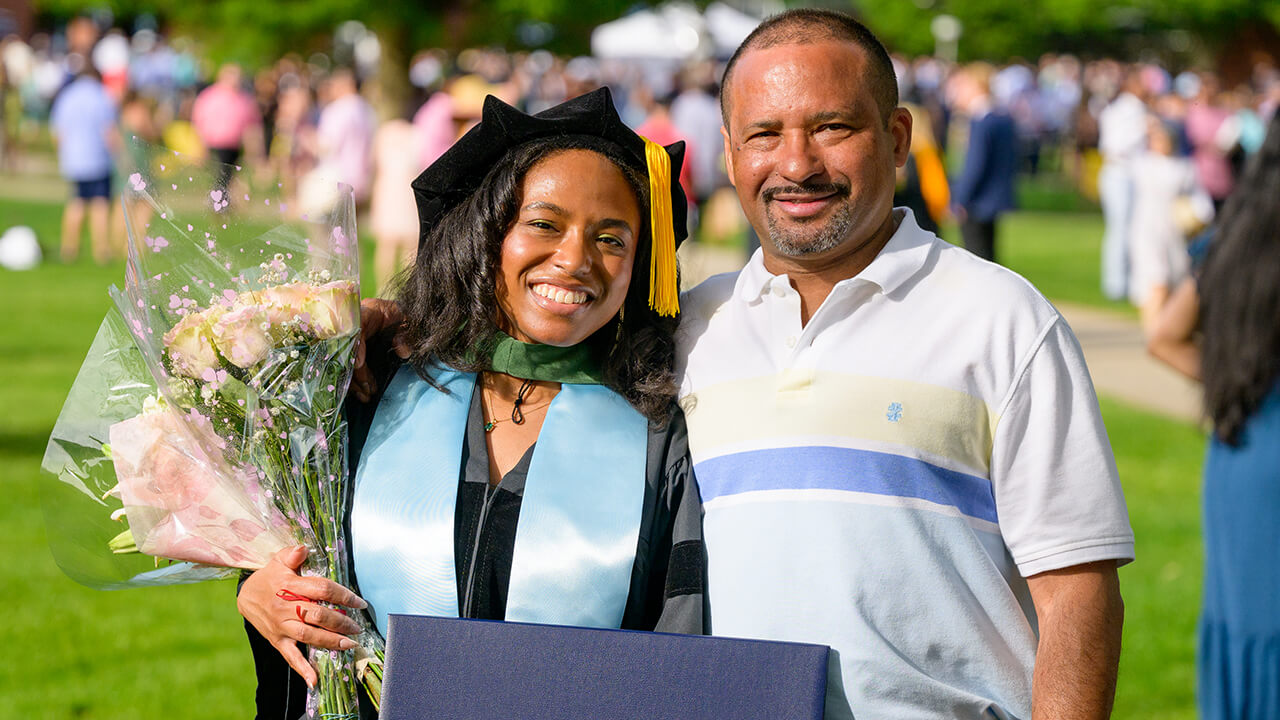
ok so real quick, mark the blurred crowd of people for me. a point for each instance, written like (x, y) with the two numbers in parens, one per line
(1098, 117)
(304, 122)
(1171, 151)
(1159, 150)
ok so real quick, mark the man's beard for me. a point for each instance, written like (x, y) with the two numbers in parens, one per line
(826, 234)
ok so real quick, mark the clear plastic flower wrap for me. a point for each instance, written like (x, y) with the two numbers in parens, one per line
(204, 430)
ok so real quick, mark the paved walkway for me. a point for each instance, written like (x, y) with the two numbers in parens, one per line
(1122, 369)
(1112, 342)
(35, 179)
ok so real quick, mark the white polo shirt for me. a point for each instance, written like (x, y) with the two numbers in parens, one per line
(882, 479)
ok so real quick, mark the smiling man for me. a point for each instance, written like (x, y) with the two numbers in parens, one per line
(898, 446)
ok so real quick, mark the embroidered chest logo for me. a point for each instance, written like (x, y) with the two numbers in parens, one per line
(895, 412)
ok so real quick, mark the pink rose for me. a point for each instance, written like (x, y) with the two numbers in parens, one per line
(185, 502)
(190, 345)
(284, 303)
(246, 530)
(240, 336)
(334, 309)
(329, 310)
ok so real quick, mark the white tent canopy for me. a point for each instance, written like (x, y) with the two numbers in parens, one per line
(675, 32)
(728, 27)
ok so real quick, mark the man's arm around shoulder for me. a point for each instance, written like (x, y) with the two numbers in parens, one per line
(1080, 614)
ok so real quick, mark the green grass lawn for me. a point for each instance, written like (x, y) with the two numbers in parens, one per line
(80, 653)
(180, 652)
(1159, 462)
(1057, 251)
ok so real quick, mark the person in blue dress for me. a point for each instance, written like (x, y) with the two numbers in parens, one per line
(1238, 659)
(521, 458)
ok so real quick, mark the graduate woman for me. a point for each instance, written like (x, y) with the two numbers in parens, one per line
(526, 461)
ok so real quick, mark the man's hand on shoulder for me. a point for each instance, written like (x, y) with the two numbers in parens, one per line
(376, 316)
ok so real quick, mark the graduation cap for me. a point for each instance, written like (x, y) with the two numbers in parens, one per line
(460, 170)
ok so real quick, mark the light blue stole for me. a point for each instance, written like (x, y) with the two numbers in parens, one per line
(579, 518)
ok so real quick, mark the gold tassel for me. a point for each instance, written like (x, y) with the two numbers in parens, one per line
(664, 295)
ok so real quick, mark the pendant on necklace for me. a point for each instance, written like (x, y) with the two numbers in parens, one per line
(489, 426)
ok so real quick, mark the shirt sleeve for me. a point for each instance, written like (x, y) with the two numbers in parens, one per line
(281, 692)
(55, 115)
(1058, 495)
(684, 589)
(198, 110)
(975, 163)
(668, 585)
(110, 113)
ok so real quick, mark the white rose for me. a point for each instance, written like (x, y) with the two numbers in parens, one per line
(190, 345)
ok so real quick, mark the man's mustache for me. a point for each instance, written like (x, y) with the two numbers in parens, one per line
(838, 189)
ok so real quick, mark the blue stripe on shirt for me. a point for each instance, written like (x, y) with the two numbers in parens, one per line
(832, 468)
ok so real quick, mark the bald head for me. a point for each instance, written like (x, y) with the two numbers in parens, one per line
(808, 26)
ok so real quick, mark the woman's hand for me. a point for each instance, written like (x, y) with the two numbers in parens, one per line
(281, 604)
(376, 315)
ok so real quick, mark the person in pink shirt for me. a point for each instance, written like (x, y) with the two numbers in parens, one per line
(435, 127)
(1205, 118)
(393, 213)
(344, 135)
(658, 127)
(226, 119)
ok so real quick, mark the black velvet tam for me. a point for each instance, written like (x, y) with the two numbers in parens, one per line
(461, 169)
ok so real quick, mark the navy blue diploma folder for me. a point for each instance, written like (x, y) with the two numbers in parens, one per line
(485, 670)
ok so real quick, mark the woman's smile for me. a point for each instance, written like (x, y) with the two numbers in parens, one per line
(558, 295)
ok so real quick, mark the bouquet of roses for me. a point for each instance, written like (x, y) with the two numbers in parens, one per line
(207, 413)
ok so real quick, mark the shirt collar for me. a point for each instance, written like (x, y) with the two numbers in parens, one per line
(754, 280)
(900, 259)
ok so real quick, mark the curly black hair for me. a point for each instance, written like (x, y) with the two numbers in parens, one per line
(448, 295)
(1240, 297)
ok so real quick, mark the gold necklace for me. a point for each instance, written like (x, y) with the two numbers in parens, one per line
(517, 409)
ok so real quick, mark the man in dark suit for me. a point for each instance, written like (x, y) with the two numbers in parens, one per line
(984, 189)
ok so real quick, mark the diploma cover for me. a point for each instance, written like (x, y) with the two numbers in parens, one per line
(485, 670)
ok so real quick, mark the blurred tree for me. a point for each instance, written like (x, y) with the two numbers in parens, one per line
(1002, 29)
(256, 32)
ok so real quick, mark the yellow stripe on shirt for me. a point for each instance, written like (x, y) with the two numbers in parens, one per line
(798, 403)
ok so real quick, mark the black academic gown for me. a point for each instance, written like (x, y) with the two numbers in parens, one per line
(667, 580)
